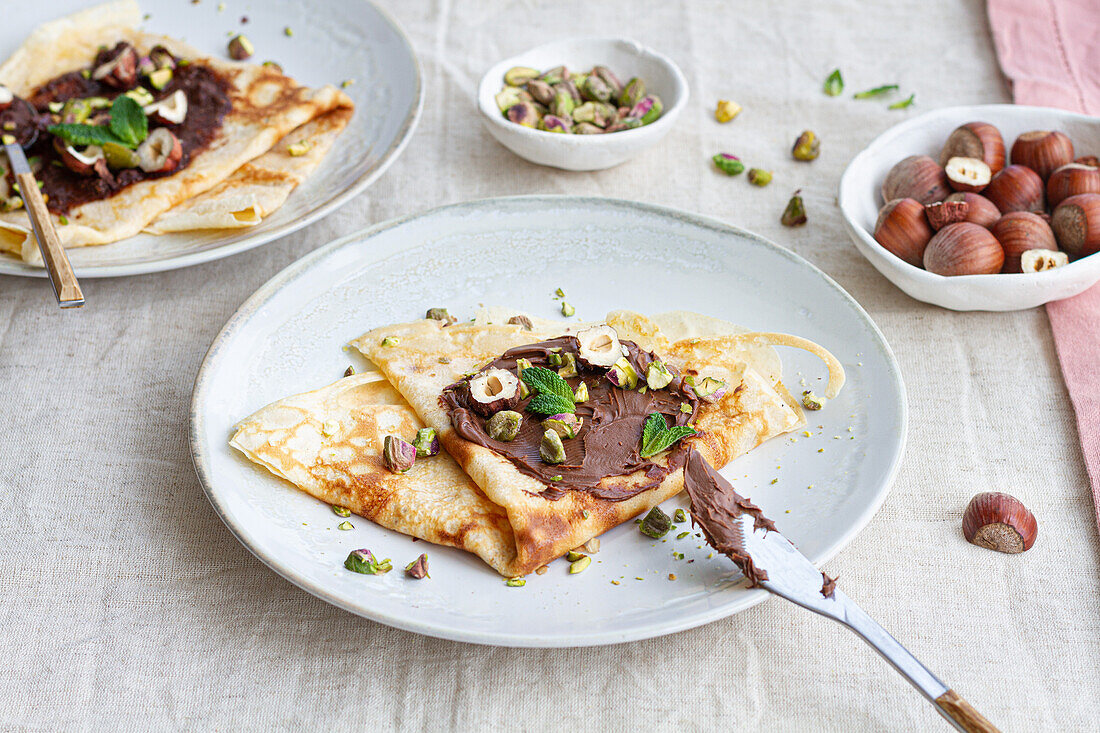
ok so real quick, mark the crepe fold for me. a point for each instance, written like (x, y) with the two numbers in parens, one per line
(240, 177)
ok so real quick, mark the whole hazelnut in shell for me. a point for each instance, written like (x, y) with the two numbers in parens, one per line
(1020, 231)
(979, 140)
(999, 522)
(903, 230)
(1043, 151)
(980, 210)
(963, 249)
(1015, 188)
(1070, 180)
(1076, 224)
(916, 177)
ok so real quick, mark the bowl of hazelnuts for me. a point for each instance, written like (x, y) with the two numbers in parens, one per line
(993, 207)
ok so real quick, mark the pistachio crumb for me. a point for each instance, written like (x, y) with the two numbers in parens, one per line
(710, 555)
(672, 576)
(543, 570)
(298, 149)
(775, 480)
(567, 310)
(585, 513)
(638, 577)
(288, 32)
(515, 582)
(559, 293)
(345, 525)
(390, 341)
(820, 450)
(221, 7)
(682, 535)
(63, 219)
(788, 511)
(341, 511)
(614, 582)
(580, 565)
(346, 83)
(807, 433)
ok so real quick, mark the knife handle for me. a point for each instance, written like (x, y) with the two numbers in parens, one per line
(65, 285)
(964, 714)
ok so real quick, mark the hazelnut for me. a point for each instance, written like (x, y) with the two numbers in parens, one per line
(1015, 188)
(121, 71)
(979, 140)
(916, 177)
(1040, 260)
(1070, 180)
(1076, 224)
(492, 390)
(942, 213)
(999, 522)
(81, 162)
(903, 230)
(963, 249)
(967, 174)
(161, 152)
(1088, 160)
(1019, 231)
(981, 211)
(1042, 151)
(599, 347)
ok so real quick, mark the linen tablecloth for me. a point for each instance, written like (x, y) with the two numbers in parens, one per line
(125, 604)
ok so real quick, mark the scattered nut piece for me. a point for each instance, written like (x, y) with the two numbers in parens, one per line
(806, 147)
(240, 48)
(726, 110)
(1000, 522)
(418, 568)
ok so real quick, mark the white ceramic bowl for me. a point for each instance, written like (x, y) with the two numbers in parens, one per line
(860, 201)
(623, 56)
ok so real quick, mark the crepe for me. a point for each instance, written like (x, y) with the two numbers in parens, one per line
(216, 189)
(751, 412)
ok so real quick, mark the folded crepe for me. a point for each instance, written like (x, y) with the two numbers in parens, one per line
(235, 180)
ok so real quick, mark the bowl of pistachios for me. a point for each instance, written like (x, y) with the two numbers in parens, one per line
(582, 104)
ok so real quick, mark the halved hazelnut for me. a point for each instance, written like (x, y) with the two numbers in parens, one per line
(916, 177)
(979, 140)
(161, 152)
(963, 249)
(1070, 180)
(903, 230)
(492, 390)
(980, 211)
(1019, 231)
(172, 110)
(599, 347)
(1076, 224)
(1043, 151)
(967, 174)
(121, 71)
(81, 162)
(1015, 188)
(1040, 260)
(942, 213)
(6, 97)
(999, 522)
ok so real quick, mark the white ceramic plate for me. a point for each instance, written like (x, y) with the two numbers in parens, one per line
(860, 201)
(606, 254)
(331, 42)
(627, 59)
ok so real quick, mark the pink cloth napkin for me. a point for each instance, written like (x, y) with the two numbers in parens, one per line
(1050, 51)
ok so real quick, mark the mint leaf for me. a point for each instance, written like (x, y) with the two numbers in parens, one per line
(128, 121)
(657, 436)
(79, 136)
(550, 404)
(546, 381)
(654, 426)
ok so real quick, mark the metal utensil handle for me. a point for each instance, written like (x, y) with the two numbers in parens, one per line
(65, 285)
(952, 707)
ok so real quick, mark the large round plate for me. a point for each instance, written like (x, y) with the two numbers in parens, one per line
(331, 43)
(606, 254)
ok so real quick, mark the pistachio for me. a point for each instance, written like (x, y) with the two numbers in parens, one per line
(707, 389)
(580, 565)
(759, 177)
(162, 58)
(554, 76)
(418, 568)
(609, 79)
(599, 347)
(504, 426)
(517, 76)
(551, 449)
(632, 93)
(159, 79)
(806, 147)
(341, 511)
(440, 314)
(795, 213)
(679, 516)
(628, 123)
(657, 375)
(539, 90)
(345, 526)
(390, 341)
(595, 89)
(426, 443)
(622, 374)
(573, 555)
(240, 48)
(141, 95)
(568, 366)
(568, 85)
(590, 112)
(587, 128)
(524, 114)
(648, 110)
(119, 156)
(567, 310)
(656, 524)
(555, 359)
(272, 65)
(553, 123)
(562, 104)
(492, 390)
(298, 149)
(508, 97)
(524, 391)
(363, 561)
(521, 321)
(515, 582)
(731, 165)
(726, 110)
(581, 394)
(565, 424)
(522, 364)
(685, 408)
(811, 401)
(397, 454)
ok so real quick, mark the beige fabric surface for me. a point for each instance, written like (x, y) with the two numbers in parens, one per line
(126, 604)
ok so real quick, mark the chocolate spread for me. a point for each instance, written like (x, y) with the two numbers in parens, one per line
(608, 442)
(715, 506)
(208, 102)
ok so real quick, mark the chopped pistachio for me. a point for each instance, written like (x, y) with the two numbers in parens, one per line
(726, 110)
(86, 73)
(341, 511)
(656, 524)
(759, 177)
(567, 309)
(569, 366)
(363, 561)
(426, 443)
(581, 395)
(504, 425)
(811, 401)
(678, 555)
(682, 535)
(807, 146)
(551, 449)
(834, 85)
(349, 371)
(345, 525)
(573, 555)
(685, 408)
(443, 360)
(775, 480)
(876, 92)
(240, 48)
(287, 31)
(559, 293)
(672, 576)
(555, 360)
(795, 213)
(63, 219)
(679, 516)
(440, 314)
(390, 341)
(555, 479)
(298, 149)
(657, 375)
(346, 83)
(642, 389)
(418, 568)
(580, 565)
(903, 103)
(515, 582)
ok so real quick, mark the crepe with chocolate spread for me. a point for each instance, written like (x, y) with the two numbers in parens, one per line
(604, 479)
(227, 119)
